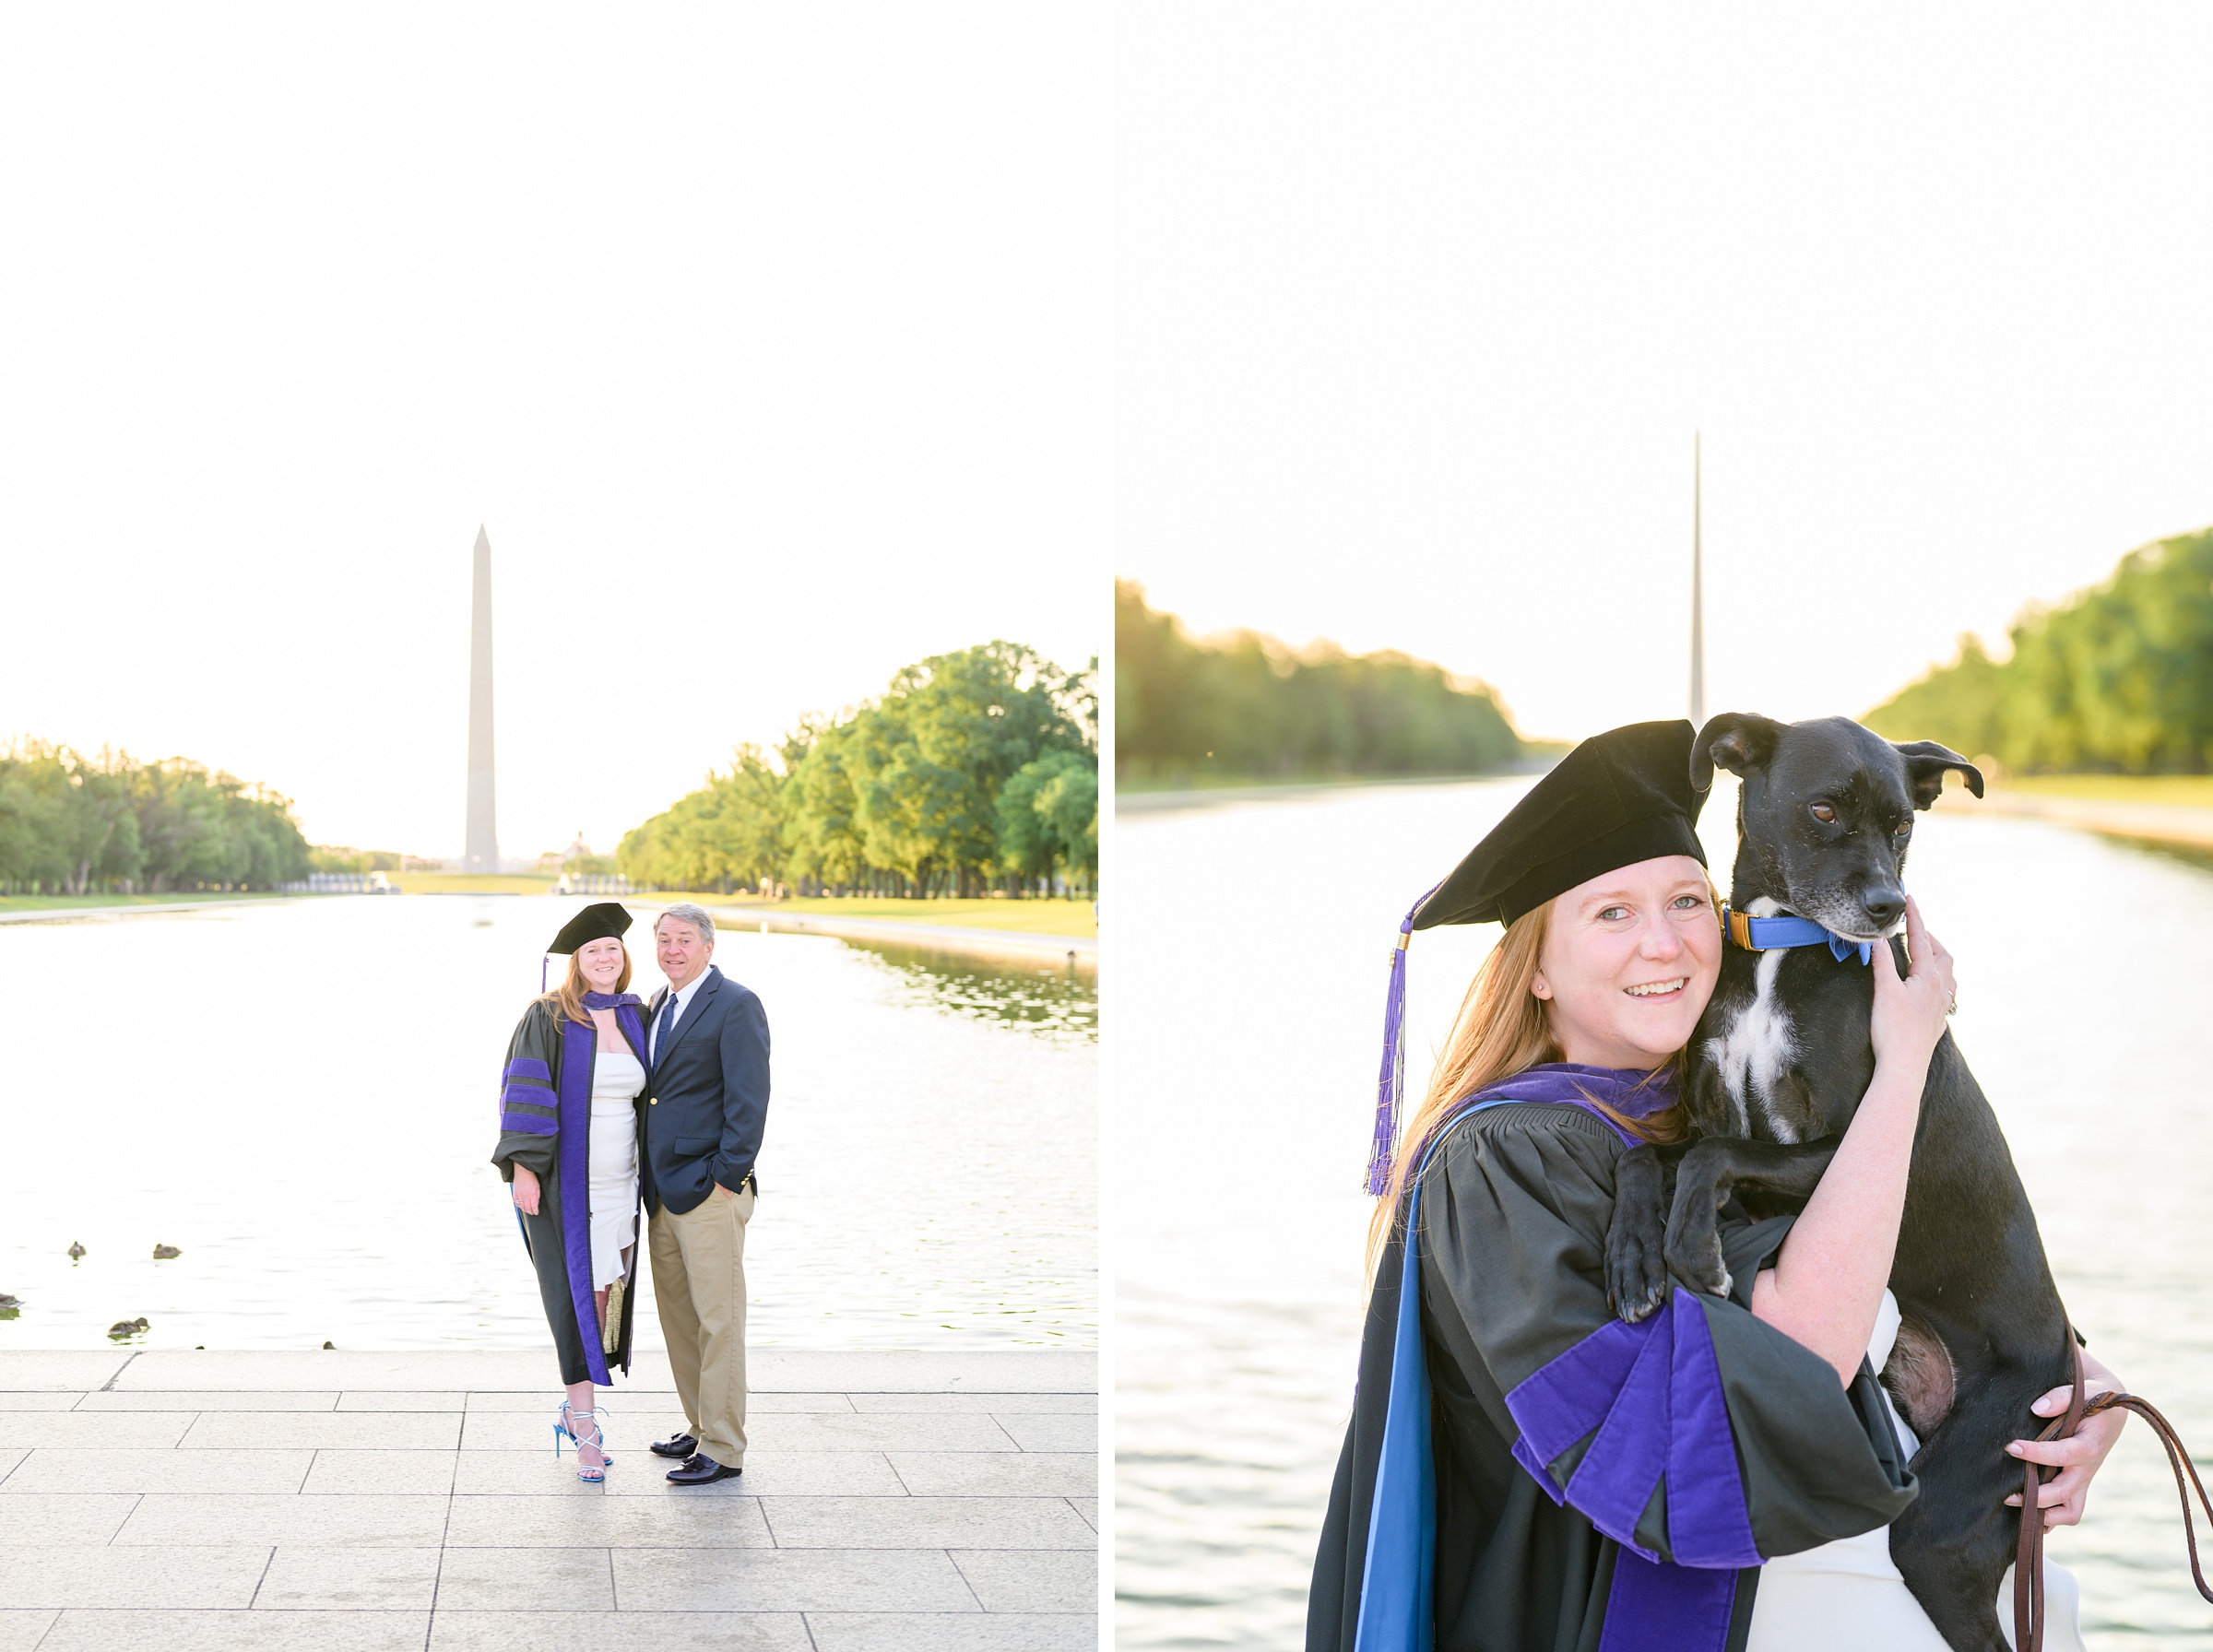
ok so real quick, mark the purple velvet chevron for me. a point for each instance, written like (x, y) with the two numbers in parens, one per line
(528, 1081)
(1649, 1396)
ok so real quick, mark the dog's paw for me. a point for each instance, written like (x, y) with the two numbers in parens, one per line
(1635, 1262)
(1697, 1261)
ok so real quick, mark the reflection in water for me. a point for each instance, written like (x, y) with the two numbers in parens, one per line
(1061, 1000)
(300, 1097)
(2083, 975)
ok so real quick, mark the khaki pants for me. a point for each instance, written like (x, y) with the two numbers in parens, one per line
(699, 1286)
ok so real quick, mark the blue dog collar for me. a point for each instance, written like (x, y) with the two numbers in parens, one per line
(1768, 935)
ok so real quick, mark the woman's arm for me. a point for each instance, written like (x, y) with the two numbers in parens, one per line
(1828, 1279)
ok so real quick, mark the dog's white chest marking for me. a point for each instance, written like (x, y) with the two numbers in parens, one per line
(1755, 1050)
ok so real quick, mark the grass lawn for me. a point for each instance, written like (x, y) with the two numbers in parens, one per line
(2177, 791)
(71, 903)
(469, 883)
(1023, 918)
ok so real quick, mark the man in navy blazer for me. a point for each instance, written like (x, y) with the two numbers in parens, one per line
(707, 1093)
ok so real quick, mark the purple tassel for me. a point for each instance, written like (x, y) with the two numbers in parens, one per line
(542, 973)
(1392, 1080)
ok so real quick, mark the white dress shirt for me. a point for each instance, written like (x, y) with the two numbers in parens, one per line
(683, 1002)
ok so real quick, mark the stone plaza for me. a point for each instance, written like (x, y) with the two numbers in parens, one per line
(360, 1502)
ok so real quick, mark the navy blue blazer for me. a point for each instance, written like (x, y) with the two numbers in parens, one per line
(707, 1095)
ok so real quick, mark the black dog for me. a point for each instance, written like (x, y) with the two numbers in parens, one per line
(1778, 1065)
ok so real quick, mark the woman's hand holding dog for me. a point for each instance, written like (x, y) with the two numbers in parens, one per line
(1910, 1010)
(2063, 1496)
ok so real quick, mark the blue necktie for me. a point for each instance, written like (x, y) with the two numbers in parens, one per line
(660, 1031)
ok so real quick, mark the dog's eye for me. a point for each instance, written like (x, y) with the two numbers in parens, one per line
(1823, 813)
(1902, 828)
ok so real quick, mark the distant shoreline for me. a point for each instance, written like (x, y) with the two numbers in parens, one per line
(1260, 791)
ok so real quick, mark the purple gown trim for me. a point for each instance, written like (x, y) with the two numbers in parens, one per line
(579, 1047)
(1650, 1397)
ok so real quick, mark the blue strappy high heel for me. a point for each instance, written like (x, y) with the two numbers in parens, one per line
(565, 1427)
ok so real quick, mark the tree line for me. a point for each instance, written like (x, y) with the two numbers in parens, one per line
(972, 771)
(72, 824)
(1248, 704)
(2116, 678)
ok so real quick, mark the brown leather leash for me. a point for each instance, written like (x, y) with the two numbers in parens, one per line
(2028, 1555)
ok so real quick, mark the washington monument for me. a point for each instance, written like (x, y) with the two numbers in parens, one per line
(482, 852)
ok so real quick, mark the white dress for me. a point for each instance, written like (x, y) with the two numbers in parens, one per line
(617, 1079)
(1848, 1596)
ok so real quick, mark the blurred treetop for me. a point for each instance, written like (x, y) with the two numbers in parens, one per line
(2117, 679)
(973, 770)
(1248, 704)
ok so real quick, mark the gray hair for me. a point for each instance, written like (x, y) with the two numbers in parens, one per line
(684, 912)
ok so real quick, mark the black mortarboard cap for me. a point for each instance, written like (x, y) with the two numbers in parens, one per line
(601, 920)
(1619, 797)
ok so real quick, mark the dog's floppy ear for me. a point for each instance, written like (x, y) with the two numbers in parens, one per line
(1926, 765)
(1739, 741)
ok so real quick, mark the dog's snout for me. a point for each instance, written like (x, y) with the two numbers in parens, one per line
(1882, 904)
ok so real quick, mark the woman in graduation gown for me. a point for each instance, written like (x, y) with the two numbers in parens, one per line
(573, 1132)
(1524, 1471)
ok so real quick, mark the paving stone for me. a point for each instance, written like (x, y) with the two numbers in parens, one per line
(547, 1399)
(1040, 1580)
(362, 1431)
(641, 1474)
(382, 1472)
(894, 1404)
(920, 1432)
(36, 1429)
(386, 1400)
(788, 1580)
(362, 1579)
(237, 1631)
(927, 1523)
(22, 1631)
(618, 1630)
(1089, 1508)
(605, 1522)
(52, 1469)
(58, 1400)
(527, 1580)
(886, 1370)
(1053, 1433)
(57, 1518)
(8, 1459)
(450, 1370)
(998, 1473)
(205, 1399)
(628, 1401)
(295, 1521)
(953, 1631)
(204, 1577)
(27, 1368)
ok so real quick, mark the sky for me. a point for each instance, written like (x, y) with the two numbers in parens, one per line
(1419, 307)
(768, 344)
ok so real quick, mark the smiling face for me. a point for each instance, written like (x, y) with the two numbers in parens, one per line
(1630, 960)
(600, 963)
(680, 951)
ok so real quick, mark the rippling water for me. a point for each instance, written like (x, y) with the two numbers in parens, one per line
(1245, 1075)
(300, 1098)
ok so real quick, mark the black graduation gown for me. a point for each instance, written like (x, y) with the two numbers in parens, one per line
(545, 1122)
(1515, 1204)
